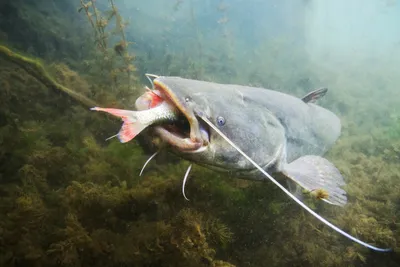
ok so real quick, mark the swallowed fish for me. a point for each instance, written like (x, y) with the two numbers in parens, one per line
(137, 121)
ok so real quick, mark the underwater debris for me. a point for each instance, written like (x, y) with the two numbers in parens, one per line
(319, 193)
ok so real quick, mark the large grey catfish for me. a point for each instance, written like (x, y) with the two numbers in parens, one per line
(253, 132)
(280, 132)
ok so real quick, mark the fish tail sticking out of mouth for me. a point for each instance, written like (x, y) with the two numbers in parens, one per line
(134, 122)
(157, 110)
(131, 127)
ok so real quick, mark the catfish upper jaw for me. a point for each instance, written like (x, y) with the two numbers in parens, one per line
(198, 136)
(186, 134)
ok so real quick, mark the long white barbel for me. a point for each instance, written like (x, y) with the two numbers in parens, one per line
(147, 162)
(304, 206)
(185, 180)
(148, 75)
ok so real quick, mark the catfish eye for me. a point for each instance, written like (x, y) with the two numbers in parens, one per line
(220, 121)
(188, 99)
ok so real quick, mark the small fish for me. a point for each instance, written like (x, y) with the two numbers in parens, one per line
(150, 99)
(137, 121)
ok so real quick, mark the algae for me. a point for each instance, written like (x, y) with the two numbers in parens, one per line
(68, 198)
(73, 200)
(35, 68)
(121, 60)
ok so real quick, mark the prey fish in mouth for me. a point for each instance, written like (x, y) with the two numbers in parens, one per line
(154, 109)
(253, 132)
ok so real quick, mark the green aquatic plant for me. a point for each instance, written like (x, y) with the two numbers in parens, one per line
(70, 199)
(89, 198)
(76, 240)
(219, 233)
(116, 57)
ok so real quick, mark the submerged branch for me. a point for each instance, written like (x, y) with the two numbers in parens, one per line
(36, 69)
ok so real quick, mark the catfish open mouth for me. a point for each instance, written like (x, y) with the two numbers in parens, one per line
(187, 134)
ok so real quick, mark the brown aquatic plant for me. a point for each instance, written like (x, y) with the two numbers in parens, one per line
(116, 58)
(319, 194)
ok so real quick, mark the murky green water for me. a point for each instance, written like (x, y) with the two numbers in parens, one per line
(70, 198)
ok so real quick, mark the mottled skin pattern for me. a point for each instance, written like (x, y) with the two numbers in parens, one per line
(273, 128)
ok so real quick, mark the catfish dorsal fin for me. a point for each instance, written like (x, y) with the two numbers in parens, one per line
(313, 96)
(304, 206)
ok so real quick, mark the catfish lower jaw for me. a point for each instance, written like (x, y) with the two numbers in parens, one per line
(179, 143)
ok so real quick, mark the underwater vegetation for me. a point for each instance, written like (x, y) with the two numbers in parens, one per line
(69, 198)
(117, 59)
(102, 212)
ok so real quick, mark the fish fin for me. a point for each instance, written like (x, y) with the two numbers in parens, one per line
(131, 126)
(122, 113)
(313, 96)
(319, 177)
(295, 189)
(304, 206)
(130, 130)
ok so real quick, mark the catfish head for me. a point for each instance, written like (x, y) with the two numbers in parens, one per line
(235, 111)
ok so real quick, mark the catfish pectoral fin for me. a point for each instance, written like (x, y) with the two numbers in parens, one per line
(295, 189)
(318, 176)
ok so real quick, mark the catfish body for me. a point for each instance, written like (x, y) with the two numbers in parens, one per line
(262, 121)
(280, 132)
